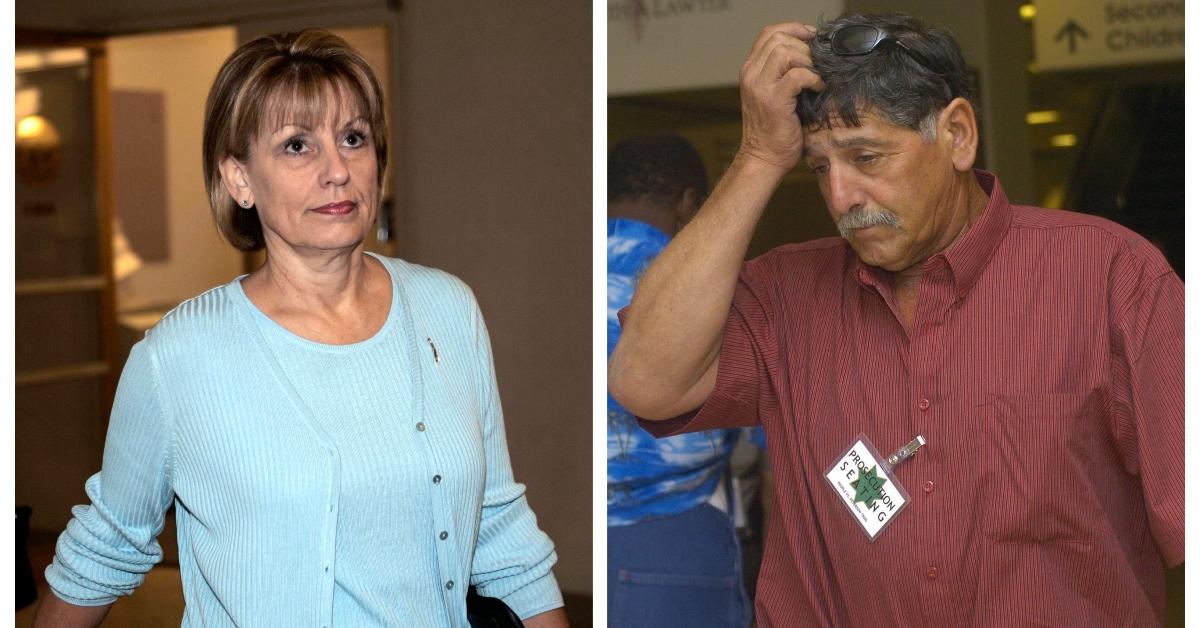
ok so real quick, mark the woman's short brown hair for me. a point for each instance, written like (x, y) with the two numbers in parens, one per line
(272, 80)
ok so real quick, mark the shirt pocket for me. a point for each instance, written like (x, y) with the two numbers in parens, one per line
(1036, 451)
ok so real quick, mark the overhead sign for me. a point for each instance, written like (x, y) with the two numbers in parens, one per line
(665, 45)
(1077, 34)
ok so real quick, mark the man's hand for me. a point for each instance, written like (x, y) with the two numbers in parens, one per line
(778, 68)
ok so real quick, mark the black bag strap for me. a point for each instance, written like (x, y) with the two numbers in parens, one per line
(490, 612)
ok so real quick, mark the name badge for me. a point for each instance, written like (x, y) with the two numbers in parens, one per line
(863, 480)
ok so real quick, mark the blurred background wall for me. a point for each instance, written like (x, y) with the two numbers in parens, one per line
(490, 179)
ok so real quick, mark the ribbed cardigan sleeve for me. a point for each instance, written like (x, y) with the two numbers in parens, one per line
(513, 557)
(109, 545)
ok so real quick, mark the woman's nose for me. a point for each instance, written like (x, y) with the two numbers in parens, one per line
(336, 171)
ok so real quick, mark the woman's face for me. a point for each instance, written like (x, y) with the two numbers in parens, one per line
(315, 188)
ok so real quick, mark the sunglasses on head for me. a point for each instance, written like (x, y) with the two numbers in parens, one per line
(861, 39)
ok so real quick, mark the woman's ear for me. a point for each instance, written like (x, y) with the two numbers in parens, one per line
(233, 175)
(956, 125)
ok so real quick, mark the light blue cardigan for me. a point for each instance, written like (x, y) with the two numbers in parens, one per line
(309, 490)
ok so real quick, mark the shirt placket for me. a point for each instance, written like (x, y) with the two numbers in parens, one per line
(430, 434)
(430, 437)
(936, 577)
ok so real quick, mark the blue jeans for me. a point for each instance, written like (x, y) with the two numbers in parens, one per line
(681, 571)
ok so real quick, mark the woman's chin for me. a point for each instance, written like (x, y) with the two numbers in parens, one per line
(324, 242)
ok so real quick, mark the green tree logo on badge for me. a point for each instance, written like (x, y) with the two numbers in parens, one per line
(868, 487)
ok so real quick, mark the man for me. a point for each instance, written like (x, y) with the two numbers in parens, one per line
(1037, 354)
(670, 496)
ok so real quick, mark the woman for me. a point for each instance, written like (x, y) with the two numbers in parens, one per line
(328, 426)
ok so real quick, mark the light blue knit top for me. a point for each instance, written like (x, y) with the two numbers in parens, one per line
(315, 485)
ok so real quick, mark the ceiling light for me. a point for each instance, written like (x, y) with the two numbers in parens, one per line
(31, 127)
(1065, 140)
(1041, 117)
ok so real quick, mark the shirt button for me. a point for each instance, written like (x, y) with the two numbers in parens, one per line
(437, 479)
(421, 426)
(923, 404)
(450, 584)
(931, 573)
(443, 535)
(928, 486)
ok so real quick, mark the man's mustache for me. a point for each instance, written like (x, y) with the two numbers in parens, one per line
(863, 218)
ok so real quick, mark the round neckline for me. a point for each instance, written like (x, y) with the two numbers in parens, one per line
(269, 325)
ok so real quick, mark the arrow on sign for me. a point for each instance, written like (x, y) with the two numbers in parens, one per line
(1071, 30)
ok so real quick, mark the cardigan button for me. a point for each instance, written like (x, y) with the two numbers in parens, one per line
(450, 584)
(443, 535)
(421, 426)
(437, 479)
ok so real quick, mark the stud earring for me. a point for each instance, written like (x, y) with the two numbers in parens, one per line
(245, 202)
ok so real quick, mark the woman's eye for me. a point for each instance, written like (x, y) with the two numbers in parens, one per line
(356, 139)
(293, 146)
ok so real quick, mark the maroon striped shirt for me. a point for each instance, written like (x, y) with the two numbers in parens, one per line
(1044, 369)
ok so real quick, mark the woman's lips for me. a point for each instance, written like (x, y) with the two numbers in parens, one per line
(336, 209)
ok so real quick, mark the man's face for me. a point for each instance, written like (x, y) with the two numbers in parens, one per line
(887, 189)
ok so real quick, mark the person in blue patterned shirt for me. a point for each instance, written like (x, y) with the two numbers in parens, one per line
(673, 556)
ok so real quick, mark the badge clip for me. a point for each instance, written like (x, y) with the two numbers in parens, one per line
(906, 452)
(436, 358)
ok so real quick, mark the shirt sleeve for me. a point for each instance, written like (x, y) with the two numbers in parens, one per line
(513, 557)
(1149, 403)
(743, 393)
(109, 545)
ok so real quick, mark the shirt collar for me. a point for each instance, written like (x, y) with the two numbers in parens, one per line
(969, 255)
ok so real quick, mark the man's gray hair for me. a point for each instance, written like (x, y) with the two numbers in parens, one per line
(888, 82)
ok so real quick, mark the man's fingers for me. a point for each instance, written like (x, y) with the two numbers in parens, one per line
(799, 79)
(778, 54)
(781, 60)
(796, 30)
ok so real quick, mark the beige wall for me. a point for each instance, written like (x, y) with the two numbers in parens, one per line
(494, 180)
(668, 46)
(182, 66)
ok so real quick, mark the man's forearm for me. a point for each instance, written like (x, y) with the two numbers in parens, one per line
(665, 362)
